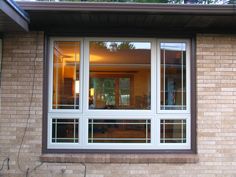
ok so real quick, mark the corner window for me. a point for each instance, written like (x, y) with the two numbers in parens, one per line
(119, 93)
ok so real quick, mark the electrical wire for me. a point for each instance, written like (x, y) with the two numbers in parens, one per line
(28, 171)
(85, 169)
(5, 160)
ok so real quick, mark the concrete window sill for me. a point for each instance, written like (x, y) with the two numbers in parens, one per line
(119, 158)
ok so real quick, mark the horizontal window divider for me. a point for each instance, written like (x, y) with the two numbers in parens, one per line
(118, 139)
(94, 123)
(68, 111)
(173, 115)
(119, 113)
(64, 115)
(120, 117)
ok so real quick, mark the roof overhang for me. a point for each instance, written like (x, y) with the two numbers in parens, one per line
(130, 18)
(12, 17)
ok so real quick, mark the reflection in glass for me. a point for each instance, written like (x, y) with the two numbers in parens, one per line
(119, 131)
(66, 66)
(120, 75)
(173, 76)
(173, 131)
(65, 130)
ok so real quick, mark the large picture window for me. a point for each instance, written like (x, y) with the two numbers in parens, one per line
(119, 93)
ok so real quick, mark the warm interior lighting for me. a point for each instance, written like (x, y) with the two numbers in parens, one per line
(92, 92)
(95, 58)
(77, 86)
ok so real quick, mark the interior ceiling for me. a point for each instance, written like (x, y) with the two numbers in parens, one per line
(105, 61)
(104, 56)
(101, 56)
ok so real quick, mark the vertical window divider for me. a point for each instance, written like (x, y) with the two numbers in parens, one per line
(154, 76)
(92, 132)
(155, 133)
(86, 76)
(82, 81)
(74, 129)
(158, 77)
(154, 95)
(83, 128)
(56, 130)
(146, 130)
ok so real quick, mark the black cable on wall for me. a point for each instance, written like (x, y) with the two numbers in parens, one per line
(28, 171)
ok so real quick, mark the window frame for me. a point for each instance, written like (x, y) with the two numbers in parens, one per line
(155, 114)
(126, 112)
(50, 83)
(188, 76)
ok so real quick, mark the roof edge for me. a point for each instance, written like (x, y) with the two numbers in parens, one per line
(129, 7)
(18, 9)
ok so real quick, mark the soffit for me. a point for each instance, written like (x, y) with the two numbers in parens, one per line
(130, 19)
(12, 18)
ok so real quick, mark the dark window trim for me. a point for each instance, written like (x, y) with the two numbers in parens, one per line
(193, 149)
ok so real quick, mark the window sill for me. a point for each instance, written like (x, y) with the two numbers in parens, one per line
(119, 158)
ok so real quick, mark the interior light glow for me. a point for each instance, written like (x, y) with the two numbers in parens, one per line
(77, 86)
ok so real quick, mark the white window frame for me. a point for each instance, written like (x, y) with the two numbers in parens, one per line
(126, 112)
(188, 80)
(50, 83)
(84, 113)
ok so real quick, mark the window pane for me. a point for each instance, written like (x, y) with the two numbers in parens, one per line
(120, 76)
(173, 131)
(119, 131)
(66, 79)
(65, 131)
(173, 76)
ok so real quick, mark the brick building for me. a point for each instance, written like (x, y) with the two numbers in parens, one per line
(103, 89)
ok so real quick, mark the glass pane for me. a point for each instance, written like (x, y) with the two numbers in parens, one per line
(66, 79)
(65, 131)
(119, 131)
(173, 76)
(120, 76)
(173, 131)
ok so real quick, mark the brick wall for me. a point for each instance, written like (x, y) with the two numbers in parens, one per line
(216, 121)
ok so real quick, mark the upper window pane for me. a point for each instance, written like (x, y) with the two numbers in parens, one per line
(120, 75)
(66, 75)
(173, 76)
